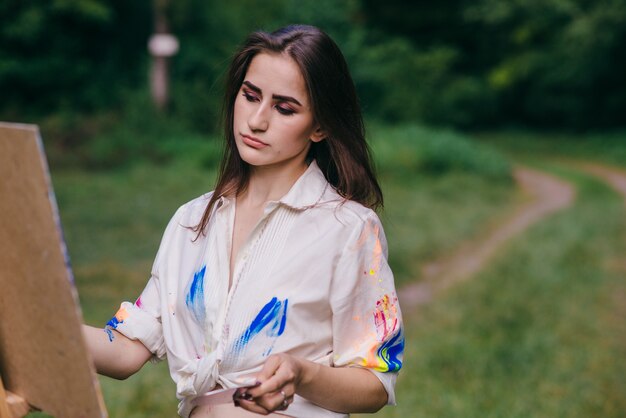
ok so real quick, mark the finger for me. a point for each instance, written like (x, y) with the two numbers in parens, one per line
(289, 390)
(275, 401)
(283, 379)
(270, 377)
(252, 406)
(270, 367)
(286, 399)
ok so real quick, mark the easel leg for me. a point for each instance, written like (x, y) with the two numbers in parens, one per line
(4, 406)
(11, 405)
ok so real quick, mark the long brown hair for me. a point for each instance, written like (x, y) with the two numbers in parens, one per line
(343, 155)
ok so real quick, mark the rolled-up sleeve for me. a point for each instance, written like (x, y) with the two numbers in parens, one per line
(142, 320)
(367, 322)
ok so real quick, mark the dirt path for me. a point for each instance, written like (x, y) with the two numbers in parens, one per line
(614, 177)
(546, 195)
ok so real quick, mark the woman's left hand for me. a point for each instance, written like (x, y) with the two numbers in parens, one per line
(278, 382)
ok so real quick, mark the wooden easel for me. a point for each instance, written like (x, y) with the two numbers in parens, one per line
(44, 362)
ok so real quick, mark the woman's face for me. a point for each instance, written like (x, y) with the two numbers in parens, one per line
(273, 120)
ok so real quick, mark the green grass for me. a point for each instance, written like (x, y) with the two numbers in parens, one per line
(608, 147)
(114, 219)
(427, 176)
(540, 333)
(113, 223)
(429, 216)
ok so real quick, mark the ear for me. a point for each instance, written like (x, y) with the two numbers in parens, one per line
(318, 135)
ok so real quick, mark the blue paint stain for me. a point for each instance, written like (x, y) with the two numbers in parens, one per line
(109, 333)
(111, 325)
(391, 352)
(272, 318)
(195, 296)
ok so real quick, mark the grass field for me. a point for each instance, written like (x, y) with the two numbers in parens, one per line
(540, 333)
(114, 219)
(607, 147)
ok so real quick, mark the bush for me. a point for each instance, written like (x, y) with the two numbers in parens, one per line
(410, 149)
(139, 133)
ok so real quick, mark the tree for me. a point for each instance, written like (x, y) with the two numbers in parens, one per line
(69, 54)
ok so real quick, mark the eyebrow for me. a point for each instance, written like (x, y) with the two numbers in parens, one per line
(274, 96)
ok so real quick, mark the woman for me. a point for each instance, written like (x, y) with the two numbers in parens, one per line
(277, 282)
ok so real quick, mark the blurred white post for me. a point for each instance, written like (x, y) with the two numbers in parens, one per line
(161, 45)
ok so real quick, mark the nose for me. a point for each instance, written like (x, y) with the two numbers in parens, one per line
(258, 119)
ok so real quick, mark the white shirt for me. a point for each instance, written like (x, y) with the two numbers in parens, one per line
(312, 281)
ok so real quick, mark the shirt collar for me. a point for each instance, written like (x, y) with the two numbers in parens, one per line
(306, 192)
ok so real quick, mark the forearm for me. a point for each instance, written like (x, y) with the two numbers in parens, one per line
(119, 357)
(341, 389)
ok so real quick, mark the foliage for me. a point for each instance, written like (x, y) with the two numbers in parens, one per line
(210, 32)
(556, 63)
(415, 149)
(608, 147)
(69, 55)
(76, 66)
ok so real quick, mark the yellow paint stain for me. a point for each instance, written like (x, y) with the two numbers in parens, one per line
(372, 361)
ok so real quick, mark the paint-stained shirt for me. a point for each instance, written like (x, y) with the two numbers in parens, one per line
(312, 281)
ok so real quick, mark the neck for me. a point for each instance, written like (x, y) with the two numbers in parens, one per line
(269, 184)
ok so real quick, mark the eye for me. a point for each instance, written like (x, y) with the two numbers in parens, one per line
(284, 110)
(250, 96)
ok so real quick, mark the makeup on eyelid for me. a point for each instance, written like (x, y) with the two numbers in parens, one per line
(283, 110)
(279, 97)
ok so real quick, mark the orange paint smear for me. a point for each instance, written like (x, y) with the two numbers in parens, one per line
(121, 314)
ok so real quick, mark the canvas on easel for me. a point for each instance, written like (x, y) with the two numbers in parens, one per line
(44, 362)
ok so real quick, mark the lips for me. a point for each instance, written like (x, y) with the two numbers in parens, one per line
(253, 142)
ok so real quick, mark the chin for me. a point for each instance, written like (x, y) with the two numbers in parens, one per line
(251, 159)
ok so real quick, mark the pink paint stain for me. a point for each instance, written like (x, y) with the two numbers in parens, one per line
(385, 316)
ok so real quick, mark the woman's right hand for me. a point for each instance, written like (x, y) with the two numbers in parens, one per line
(277, 384)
